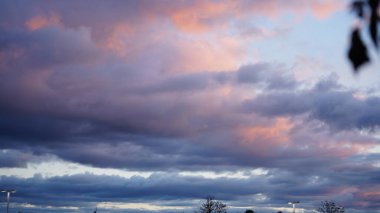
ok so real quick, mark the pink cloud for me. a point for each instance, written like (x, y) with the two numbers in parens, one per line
(116, 40)
(368, 197)
(200, 16)
(262, 139)
(275, 8)
(177, 53)
(200, 55)
(205, 16)
(40, 21)
(324, 8)
(131, 38)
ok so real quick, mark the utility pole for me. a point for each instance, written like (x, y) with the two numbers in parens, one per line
(294, 205)
(8, 191)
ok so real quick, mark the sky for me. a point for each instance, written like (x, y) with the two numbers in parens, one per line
(150, 106)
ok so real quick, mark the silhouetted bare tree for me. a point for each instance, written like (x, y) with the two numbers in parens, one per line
(220, 207)
(330, 207)
(212, 206)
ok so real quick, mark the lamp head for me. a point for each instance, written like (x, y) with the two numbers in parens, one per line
(8, 190)
(293, 202)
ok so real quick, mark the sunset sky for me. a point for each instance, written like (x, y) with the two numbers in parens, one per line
(152, 105)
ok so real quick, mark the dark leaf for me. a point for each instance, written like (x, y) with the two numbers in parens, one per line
(358, 8)
(373, 21)
(373, 30)
(357, 53)
(373, 4)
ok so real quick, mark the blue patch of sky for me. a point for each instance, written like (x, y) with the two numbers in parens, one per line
(322, 40)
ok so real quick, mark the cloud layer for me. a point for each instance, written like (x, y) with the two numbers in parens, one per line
(174, 87)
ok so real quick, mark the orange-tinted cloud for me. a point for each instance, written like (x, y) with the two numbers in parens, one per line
(265, 138)
(200, 15)
(367, 197)
(274, 8)
(116, 40)
(40, 21)
(341, 148)
(323, 9)
(203, 16)
(177, 54)
(206, 55)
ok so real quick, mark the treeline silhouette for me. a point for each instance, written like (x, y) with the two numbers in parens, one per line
(210, 205)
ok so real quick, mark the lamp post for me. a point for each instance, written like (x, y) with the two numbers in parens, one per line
(294, 205)
(8, 191)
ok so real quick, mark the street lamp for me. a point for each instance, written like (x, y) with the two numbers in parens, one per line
(8, 191)
(294, 205)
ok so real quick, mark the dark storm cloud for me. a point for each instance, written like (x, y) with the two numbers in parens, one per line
(71, 106)
(15, 158)
(88, 187)
(156, 187)
(41, 129)
(330, 103)
(277, 186)
(95, 14)
(268, 104)
(53, 93)
(43, 48)
(271, 77)
(163, 124)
